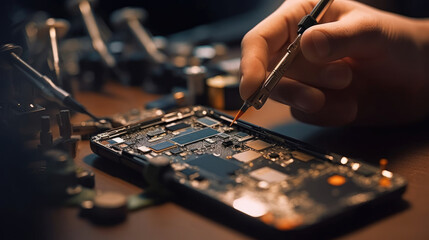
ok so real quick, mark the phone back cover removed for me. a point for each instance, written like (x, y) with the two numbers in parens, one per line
(271, 180)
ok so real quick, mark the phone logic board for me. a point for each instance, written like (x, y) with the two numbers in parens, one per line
(278, 181)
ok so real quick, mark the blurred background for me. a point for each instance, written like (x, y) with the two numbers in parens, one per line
(176, 53)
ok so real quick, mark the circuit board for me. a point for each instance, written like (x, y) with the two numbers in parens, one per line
(281, 182)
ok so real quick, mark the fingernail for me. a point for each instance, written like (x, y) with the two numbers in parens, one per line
(336, 76)
(321, 44)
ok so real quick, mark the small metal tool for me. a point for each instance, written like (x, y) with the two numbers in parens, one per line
(258, 99)
(9, 55)
(57, 28)
(85, 9)
(132, 17)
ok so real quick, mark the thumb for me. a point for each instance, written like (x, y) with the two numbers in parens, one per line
(354, 37)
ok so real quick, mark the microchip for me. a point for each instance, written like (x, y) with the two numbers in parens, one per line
(258, 145)
(122, 145)
(176, 151)
(178, 126)
(144, 149)
(215, 165)
(268, 174)
(223, 135)
(190, 173)
(208, 122)
(227, 143)
(241, 136)
(160, 147)
(115, 140)
(246, 156)
(301, 156)
(194, 136)
(209, 140)
(155, 132)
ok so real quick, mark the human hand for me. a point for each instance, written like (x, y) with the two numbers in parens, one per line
(360, 65)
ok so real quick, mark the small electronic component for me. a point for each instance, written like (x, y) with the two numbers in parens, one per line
(215, 165)
(155, 132)
(301, 156)
(190, 173)
(268, 174)
(227, 143)
(208, 122)
(160, 147)
(115, 140)
(122, 145)
(246, 156)
(176, 151)
(223, 135)
(144, 149)
(209, 140)
(194, 136)
(178, 126)
(242, 136)
(258, 145)
(155, 139)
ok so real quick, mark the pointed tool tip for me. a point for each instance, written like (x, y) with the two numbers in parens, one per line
(239, 114)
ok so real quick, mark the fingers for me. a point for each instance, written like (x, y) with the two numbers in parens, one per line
(298, 95)
(253, 65)
(332, 75)
(264, 45)
(265, 40)
(340, 108)
(355, 36)
(315, 106)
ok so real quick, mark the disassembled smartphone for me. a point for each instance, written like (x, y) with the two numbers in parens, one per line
(262, 176)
